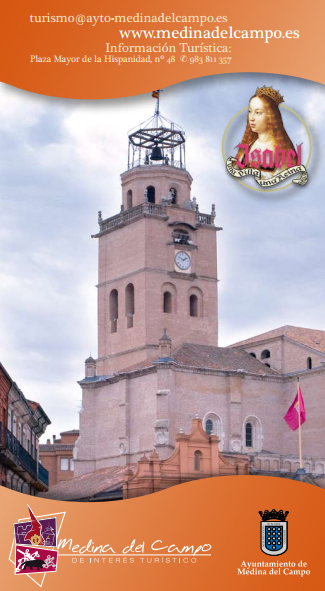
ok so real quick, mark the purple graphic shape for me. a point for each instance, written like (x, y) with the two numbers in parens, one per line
(35, 559)
(48, 531)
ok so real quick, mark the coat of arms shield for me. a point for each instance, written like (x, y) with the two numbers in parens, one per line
(274, 532)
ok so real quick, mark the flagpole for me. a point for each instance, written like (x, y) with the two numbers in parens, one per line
(157, 104)
(299, 407)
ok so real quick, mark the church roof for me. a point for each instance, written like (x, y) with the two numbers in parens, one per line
(88, 485)
(205, 356)
(305, 336)
(209, 357)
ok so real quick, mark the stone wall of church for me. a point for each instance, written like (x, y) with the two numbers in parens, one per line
(117, 423)
(122, 420)
(285, 356)
(295, 357)
(275, 348)
(232, 401)
(143, 415)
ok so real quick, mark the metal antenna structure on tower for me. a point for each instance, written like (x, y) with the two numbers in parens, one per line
(158, 141)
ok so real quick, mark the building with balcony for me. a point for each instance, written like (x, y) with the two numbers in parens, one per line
(5, 385)
(22, 424)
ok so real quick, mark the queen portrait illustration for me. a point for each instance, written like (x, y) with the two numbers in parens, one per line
(266, 151)
(266, 145)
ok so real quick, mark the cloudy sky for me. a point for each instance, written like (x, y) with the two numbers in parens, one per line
(60, 163)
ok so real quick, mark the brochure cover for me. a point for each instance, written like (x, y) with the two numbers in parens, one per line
(162, 356)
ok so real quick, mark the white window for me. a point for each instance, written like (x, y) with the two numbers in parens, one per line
(212, 425)
(64, 464)
(71, 464)
(252, 434)
(197, 460)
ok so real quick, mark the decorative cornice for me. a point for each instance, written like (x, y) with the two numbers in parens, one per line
(154, 270)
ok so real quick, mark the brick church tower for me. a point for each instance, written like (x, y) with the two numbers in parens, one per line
(159, 364)
(157, 290)
(157, 257)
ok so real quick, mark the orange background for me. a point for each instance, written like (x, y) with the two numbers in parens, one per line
(222, 512)
(295, 57)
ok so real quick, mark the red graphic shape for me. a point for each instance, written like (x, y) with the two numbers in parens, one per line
(30, 560)
(34, 535)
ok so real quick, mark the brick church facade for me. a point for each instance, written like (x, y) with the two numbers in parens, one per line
(159, 364)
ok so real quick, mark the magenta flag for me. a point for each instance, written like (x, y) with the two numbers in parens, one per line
(296, 408)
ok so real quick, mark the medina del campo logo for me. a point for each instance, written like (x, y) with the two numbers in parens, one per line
(274, 532)
(266, 152)
(35, 541)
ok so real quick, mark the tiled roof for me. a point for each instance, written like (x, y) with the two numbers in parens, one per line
(37, 408)
(306, 336)
(56, 447)
(88, 485)
(71, 432)
(142, 364)
(209, 357)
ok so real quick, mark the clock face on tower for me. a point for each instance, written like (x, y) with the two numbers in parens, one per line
(182, 260)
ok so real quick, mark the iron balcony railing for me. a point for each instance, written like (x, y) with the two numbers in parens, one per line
(43, 474)
(10, 442)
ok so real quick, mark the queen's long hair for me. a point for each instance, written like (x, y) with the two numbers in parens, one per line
(275, 128)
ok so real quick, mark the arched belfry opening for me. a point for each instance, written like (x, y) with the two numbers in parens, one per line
(113, 309)
(129, 200)
(129, 304)
(158, 141)
(168, 306)
(194, 305)
(151, 194)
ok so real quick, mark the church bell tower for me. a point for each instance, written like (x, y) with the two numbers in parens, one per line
(157, 257)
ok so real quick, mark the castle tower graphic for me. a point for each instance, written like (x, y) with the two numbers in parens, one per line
(157, 257)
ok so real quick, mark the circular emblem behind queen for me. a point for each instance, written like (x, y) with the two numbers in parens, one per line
(266, 151)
